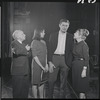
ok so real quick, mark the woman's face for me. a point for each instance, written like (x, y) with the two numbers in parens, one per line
(77, 35)
(42, 34)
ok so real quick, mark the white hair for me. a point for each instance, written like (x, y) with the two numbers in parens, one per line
(16, 34)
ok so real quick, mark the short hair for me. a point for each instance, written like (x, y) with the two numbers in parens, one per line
(16, 34)
(37, 32)
(64, 20)
(84, 33)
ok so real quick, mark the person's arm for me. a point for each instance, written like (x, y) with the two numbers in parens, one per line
(18, 49)
(86, 54)
(49, 56)
(49, 49)
(86, 60)
(35, 48)
(71, 51)
(38, 62)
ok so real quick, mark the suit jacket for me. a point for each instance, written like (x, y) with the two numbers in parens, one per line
(20, 64)
(68, 47)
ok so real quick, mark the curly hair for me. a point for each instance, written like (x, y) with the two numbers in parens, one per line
(16, 34)
(83, 32)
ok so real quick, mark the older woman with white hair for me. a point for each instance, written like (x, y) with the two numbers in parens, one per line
(80, 64)
(20, 65)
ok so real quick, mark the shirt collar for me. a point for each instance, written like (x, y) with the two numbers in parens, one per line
(62, 33)
(19, 41)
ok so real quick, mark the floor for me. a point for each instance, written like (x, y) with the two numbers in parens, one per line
(93, 92)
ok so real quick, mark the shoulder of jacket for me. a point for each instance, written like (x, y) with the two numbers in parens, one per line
(34, 41)
(70, 34)
(85, 44)
(54, 34)
(14, 42)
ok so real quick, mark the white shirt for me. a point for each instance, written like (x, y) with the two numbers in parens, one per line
(61, 43)
(19, 41)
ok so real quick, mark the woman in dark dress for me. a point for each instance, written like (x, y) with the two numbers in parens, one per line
(39, 62)
(80, 64)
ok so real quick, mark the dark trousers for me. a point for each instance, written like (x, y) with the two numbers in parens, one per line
(20, 85)
(59, 62)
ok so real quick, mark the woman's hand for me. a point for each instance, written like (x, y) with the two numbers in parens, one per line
(46, 68)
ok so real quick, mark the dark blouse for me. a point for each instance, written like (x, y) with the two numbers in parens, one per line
(39, 49)
(81, 50)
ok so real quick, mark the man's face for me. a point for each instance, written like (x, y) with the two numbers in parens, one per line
(21, 36)
(64, 26)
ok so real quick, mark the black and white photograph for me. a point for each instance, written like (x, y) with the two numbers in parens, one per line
(0, 51)
(49, 50)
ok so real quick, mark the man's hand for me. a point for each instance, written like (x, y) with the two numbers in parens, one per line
(51, 67)
(13, 50)
(27, 47)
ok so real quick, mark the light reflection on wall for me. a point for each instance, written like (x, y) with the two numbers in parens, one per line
(22, 20)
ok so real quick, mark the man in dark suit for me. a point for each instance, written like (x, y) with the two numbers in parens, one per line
(60, 56)
(20, 66)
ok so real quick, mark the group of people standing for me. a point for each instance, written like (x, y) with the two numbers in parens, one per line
(64, 51)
